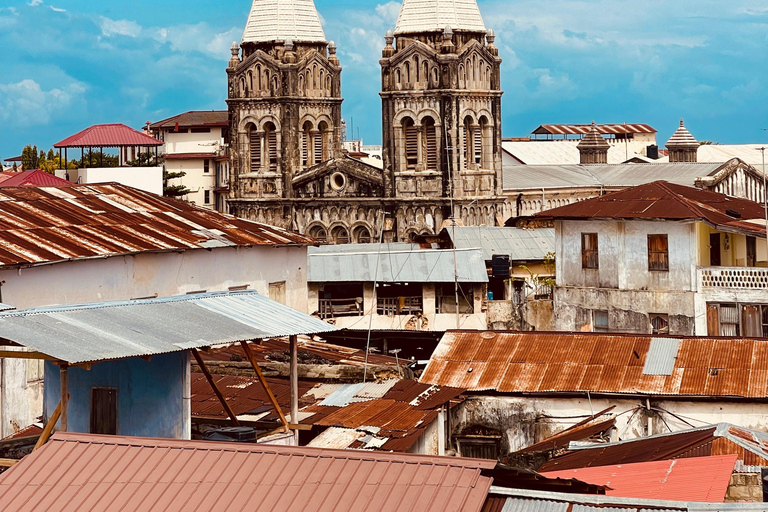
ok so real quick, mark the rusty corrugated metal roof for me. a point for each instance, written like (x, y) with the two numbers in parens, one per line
(563, 439)
(108, 136)
(546, 363)
(666, 201)
(114, 473)
(583, 129)
(47, 225)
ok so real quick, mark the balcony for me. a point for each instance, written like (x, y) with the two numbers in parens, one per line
(740, 278)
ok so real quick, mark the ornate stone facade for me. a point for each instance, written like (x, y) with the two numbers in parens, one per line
(441, 103)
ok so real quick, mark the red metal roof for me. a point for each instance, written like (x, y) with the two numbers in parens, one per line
(112, 473)
(583, 129)
(47, 224)
(750, 447)
(108, 136)
(550, 363)
(33, 178)
(30, 431)
(667, 201)
(700, 479)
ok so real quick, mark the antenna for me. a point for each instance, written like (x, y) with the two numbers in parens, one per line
(453, 228)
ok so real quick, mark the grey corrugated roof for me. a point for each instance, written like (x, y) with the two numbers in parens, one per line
(520, 244)
(532, 505)
(536, 177)
(394, 265)
(116, 330)
(661, 356)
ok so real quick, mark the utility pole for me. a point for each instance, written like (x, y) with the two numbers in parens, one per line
(765, 199)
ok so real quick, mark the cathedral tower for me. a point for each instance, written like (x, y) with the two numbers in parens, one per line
(284, 106)
(441, 99)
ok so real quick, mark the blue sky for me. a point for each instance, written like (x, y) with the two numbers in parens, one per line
(71, 63)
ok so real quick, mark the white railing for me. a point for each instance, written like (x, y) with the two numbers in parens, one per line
(744, 278)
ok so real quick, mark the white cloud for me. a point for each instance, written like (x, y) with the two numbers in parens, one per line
(389, 11)
(126, 28)
(33, 3)
(26, 103)
(57, 9)
(198, 38)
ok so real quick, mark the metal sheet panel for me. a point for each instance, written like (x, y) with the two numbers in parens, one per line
(533, 505)
(115, 330)
(661, 356)
(520, 244)
(395, 266)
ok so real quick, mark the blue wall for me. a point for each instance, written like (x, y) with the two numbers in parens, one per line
(149, 394)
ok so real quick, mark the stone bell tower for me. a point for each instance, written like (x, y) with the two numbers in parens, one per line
(441, 109)
(284, 102)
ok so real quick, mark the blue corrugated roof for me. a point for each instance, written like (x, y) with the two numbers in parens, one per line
(116, 330)
(520, 244)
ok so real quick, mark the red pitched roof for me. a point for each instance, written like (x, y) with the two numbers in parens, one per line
(696, 479)
(108, 136)
(34, 178)
(661, 200)
(113, 473)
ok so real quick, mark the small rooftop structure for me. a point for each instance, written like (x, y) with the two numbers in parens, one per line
(49, 225)
(394, 263)
(519, 244)
(593, 148)
(108, 136)
(682, 146)
(751, 447)
(661, 200)
(140, 328)
(281, 20)
(703, 479)
(435, 15)
(154, 475)
(32, 178)
(618, 364)
(193, 119)
(584, 129)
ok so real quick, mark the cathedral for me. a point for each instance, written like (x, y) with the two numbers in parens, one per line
(441, 125)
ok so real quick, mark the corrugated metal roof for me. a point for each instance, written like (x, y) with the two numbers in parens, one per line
(661, 356)
(528, 505)
(520, 244)
(395, 266)
(667, 201)
(558, 152)
(111, 473)
(115, 330)
(108, 136)
(536, 177)
(546, 363)
(435, 15)
(583, 129)
(32, 178)
(562, 439)
(47, 224)
(696, 479)
(751, 447)
(279, 20)
(194, 118)
(748, 153)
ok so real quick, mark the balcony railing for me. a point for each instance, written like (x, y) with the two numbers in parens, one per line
(392, 306)
(743, 278)
(333, 308)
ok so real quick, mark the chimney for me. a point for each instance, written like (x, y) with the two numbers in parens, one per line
(682, 146)
(593, 148)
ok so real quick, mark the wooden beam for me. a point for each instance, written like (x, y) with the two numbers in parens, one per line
(48, 428)
(294, 373)
(11, 354)
(6, 463)
(64, 382)
(272, 399)
(215, 388)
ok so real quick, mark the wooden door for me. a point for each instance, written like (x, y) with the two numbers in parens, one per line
(713, 321)
(104, 411)
(714, 250)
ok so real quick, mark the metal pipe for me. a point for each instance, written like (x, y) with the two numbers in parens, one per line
(294, 376)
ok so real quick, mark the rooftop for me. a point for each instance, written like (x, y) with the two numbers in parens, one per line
(111, 473)
(583, 129)
(394, 263)
(137, 328)
(751, 447)
(561, 363)
(435, 15)
(108, 136)
(695, 479)
(32, 178)
(661, 200)
(48, 225)
(280, 20)
(520, 244)
(194, 118)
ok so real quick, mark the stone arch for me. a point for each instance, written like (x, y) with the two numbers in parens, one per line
(407, 71)
(462, 77)
(258, 77)
(318, 231)
(405, 114)
(339, 233)
(428, 112)
(417, 68)
(362, 233)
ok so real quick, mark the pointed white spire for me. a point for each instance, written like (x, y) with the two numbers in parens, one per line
(278, 20)
(435, 15)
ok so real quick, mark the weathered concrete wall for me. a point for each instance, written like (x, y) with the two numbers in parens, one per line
(427, 444)
(744, 487)
(527, 420)
(152, 396)
(534, 315)
(540, 315)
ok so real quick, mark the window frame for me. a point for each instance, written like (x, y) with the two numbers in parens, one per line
(658, 260)
(585, 252)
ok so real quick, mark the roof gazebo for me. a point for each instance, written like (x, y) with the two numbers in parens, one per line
(129, 142)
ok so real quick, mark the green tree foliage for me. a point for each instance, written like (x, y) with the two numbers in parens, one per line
(15, 167)
(29, 158)
(173, 190)
(145, 160)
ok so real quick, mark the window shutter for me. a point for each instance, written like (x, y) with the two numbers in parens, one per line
(272, 144)
(318, 148)
(465, 148)
(255, 142)
(304, 149)
(477, 145)
(431, 137)
(411, 146)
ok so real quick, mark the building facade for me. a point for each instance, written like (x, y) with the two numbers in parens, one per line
(441, 114)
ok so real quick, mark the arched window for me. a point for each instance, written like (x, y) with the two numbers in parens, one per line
(361, 235)
(318, 232)
(408, 72)
(467, 142)
(258, 77)
(416, 68)
(270, 136)
(319, 142)
(411, 143)
(485, 136)
(250, 80)
(398, 78)
(306, 145)
(254, 143)
(430, 143)
(340, 235)
(426, 73)
(462, 77)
